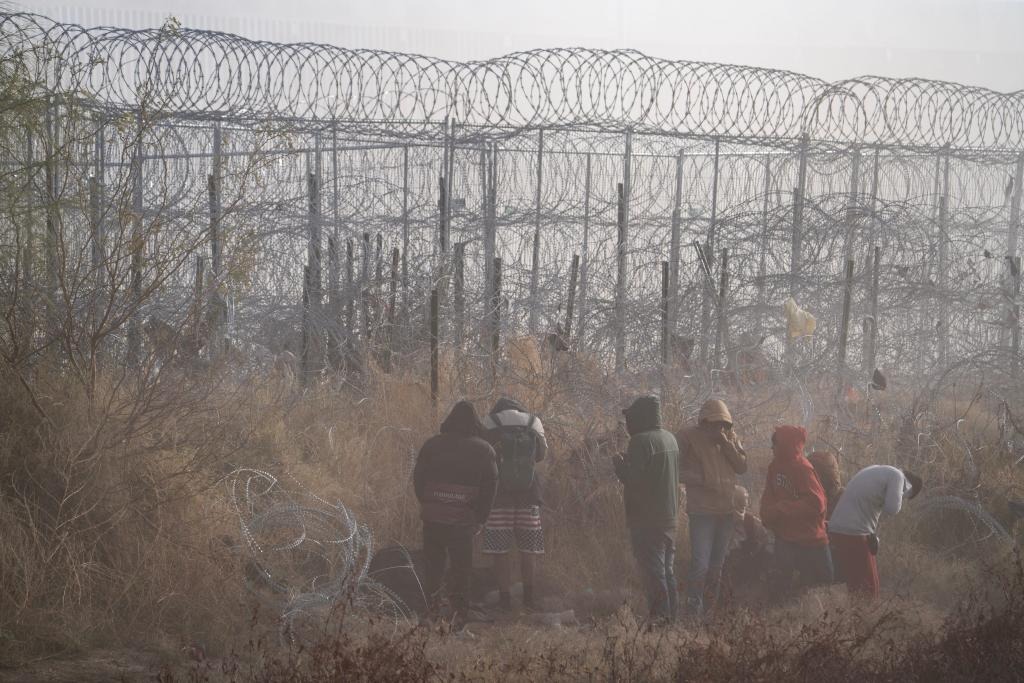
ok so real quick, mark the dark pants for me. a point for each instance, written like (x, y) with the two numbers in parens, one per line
(443, 543)
(813, 564)
(655, 553)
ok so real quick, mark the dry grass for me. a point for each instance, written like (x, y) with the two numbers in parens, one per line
(115, 522)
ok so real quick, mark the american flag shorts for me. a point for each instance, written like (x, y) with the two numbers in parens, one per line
(514, 526)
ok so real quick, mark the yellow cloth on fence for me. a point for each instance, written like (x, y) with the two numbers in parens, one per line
(799, 321)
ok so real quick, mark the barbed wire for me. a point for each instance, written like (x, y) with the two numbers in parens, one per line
(189, 73)
(313, 554)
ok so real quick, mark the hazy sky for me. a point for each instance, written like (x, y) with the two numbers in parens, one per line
(980, 42)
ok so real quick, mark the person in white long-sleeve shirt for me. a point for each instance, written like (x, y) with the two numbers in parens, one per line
(853, 526)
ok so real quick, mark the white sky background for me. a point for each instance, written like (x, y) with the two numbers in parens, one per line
(978, 42)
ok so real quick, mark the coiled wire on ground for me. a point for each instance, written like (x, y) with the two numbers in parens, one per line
(314, 554)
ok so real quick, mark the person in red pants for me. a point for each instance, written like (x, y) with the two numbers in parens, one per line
(853, 527)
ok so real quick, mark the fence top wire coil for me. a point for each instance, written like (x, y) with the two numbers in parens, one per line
(193, 74)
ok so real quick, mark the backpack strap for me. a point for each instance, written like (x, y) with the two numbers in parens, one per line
(497, 422)
(529, 424)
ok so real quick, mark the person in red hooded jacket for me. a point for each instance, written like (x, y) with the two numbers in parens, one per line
(793, 508)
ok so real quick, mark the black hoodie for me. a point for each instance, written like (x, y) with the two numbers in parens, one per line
(649, 470)
(456, 474)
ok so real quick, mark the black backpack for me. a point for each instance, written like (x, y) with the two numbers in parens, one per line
(516, 447)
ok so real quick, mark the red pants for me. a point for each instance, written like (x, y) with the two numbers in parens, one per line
(854, 559)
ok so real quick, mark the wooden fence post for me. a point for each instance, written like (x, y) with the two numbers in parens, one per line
(307, 340)
(665, 321)
(722, 333)
(459, 294)
(571, 304)
(405, 229)
(796, 243)
(844, 325)
(620, 285)
(51, 213)
(442, 210)
(334, 300)
(97, 239)
(434, 378)
(392, 303)
(315, 279)
(350, 301)
(364, 304)
(197, 302)
(496, 320)
(852, 204)
(871, 321)
(1015, 319)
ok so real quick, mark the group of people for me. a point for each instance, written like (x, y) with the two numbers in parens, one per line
(480, 476)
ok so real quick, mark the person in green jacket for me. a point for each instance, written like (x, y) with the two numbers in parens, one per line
(649, 474)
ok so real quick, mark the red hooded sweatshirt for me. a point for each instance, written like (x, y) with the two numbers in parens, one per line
(793, 503)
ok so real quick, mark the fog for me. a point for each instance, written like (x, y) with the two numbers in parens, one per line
(970, 41)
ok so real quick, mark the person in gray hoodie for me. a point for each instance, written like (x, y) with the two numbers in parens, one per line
(650, 481)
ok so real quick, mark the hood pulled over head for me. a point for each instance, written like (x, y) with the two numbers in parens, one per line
(827, 467)
(462, 420)
(643, 415)
(788, 442)
(714, 411)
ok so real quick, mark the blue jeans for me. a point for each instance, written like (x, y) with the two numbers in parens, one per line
(655, 553)
(813, 564)
(709, 542)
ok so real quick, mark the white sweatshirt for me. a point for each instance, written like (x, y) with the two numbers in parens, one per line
(872, 491)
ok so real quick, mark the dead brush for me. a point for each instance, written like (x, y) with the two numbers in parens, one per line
(117, 529)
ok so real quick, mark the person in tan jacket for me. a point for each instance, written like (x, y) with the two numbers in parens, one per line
(710, 457)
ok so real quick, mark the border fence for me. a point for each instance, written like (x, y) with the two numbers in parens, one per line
(209, 194)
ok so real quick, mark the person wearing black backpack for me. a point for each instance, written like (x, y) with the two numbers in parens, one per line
(519, 443)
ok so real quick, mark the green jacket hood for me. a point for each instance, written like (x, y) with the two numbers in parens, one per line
(643, 415)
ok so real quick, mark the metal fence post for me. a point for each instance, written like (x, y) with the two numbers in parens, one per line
(137, 246)
(571, 304)
(722, 333)
(844, 325)
(495, 319)
(1012, 233)
(434, 332)
(709, 251)
(762, 257)
(584, 262)
(665, 322)
(943, 266)
(459, 294)
(674, 245)
(535, 265)
(620, 284)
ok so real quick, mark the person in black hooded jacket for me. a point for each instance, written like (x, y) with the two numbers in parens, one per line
(455, 479)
